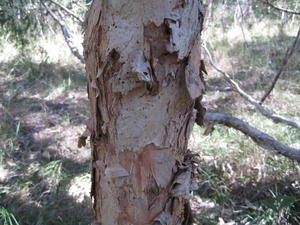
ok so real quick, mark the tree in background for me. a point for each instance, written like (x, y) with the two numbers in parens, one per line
(22, 21)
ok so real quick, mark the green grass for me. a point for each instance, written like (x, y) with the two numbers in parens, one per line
(7, 218)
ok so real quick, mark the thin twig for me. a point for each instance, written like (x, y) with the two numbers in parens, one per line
(279, 8)
(241, 21)
(68, 11)
(288, 55)
(65, 32)
(262, 139)
(248, 98)
(221, 89)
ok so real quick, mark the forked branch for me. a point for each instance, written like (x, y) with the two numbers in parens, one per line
(67, 11)
(65, 33)
(248, 98)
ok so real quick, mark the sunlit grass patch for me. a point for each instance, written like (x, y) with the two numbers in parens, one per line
(80, 187)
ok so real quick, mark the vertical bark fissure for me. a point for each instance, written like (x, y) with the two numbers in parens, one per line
(143, 64)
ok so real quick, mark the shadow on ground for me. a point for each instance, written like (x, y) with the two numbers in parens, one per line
(44, 177)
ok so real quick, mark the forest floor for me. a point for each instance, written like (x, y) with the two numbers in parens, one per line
(45, 178)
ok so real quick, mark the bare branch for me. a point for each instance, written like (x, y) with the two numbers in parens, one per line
(67, 10)
(241, 21)
(262, 139)
(65, 32)
(288, 55)
(250, 99)
(279, 8)
(221, 89)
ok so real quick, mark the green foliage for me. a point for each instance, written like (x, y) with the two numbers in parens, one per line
(7, 218)
(22, 21)
(53, 172)
(278, 202)
(274, 210)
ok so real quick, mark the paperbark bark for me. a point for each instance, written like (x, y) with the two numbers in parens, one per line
(143, 63)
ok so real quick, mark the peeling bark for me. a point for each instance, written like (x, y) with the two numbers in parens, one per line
(143, 65)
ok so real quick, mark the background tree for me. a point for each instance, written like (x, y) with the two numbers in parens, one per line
(23, 21)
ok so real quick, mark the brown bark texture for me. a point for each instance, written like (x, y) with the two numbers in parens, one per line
(144, 75)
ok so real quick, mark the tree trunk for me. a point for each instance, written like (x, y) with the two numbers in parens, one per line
(143, 63)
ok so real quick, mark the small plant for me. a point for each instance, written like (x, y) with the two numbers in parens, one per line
(7, 218)
(65, 120)
(18, 128)
(279, 206)
(274, 210)
(2, 154)
(53, 172)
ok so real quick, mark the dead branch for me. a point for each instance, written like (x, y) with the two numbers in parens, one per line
(284, 64)
(262, 139)
(248, 98)
(65, 33)
(241, 22)
(67, 11)
(221, 89)
(279, 8)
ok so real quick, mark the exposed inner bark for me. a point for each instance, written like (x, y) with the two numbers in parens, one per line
(143, 64)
